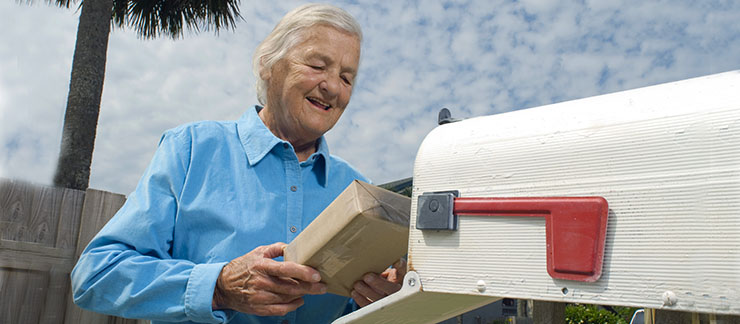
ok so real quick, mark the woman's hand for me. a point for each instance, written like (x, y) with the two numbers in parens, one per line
(256, 284)
(374, 287)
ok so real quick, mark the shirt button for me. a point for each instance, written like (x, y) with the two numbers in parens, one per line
(293, 188)
(285, 322)
(293, 229)
(285, 145)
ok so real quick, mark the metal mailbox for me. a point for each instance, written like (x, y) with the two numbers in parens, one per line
(666, 158)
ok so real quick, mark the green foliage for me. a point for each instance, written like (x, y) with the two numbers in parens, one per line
(406, 191)
(402, 186)
(626, 312)
(592, 314)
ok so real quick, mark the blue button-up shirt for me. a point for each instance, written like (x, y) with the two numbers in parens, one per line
(213, 192)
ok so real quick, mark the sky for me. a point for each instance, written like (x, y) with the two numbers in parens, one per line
(476, 58)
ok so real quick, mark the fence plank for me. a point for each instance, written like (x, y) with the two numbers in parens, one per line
(43, 217)
(13, 209)
(34, 256)
(70, 208)
(672, 317)
(97, 209)
(21, 302)
(32, 213)
(56, 297)
(548, 312)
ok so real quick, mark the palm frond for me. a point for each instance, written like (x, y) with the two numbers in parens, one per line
(151, 18)
(222, 14)
(62, 3)
(58, 3)
(120, 11)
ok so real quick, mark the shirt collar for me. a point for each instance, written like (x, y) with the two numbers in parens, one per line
(258, 141)
(321, 164)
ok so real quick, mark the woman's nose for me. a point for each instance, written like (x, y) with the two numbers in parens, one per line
(330, 85)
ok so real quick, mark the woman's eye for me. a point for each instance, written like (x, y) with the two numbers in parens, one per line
(346, 80)
(317, 67)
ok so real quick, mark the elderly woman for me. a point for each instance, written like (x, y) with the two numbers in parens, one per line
(197, 239)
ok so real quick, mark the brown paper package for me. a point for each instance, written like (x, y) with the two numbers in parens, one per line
(365, 229)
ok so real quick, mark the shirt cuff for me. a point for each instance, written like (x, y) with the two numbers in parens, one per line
(199, 294)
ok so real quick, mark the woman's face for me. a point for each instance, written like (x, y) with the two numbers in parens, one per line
(308, 89)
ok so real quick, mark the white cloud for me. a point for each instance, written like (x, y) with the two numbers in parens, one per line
(34, 82)
(475, 57)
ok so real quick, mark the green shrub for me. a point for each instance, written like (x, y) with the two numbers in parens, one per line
(592, 314)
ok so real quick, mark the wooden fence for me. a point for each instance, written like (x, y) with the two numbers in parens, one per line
(43, 230)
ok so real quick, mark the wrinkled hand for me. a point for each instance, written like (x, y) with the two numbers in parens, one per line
(374, 287)
(256, 284)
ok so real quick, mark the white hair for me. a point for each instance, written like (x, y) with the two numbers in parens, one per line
(289, 32)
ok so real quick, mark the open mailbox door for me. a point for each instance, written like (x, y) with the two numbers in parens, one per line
(666, 160)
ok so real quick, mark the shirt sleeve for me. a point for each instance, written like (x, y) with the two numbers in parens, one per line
(127, 269)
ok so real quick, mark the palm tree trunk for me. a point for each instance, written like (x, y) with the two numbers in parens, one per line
(85, 90)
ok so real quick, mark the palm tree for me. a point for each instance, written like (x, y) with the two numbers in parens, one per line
(150, 18)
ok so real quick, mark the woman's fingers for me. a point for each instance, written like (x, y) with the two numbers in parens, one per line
(256, 284)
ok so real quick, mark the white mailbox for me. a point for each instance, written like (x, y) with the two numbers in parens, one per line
(665, 158)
